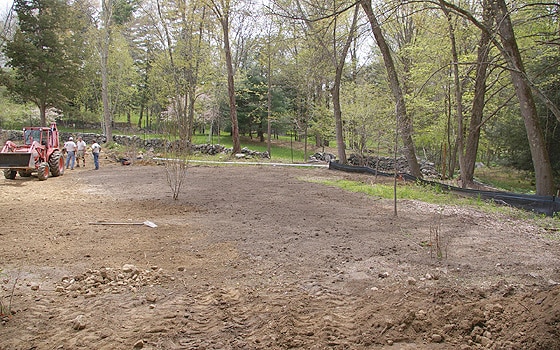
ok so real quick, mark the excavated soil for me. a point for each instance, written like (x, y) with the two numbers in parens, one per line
(263, 257)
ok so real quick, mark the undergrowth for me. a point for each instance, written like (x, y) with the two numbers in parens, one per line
(506, 179)
(6, 299)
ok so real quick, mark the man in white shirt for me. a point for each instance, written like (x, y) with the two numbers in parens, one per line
(95, 149)
(70, 147)
(81, 154)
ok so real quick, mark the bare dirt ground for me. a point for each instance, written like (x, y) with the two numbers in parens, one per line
(261, 257)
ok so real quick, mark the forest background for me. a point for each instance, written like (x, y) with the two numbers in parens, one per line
(451, 82)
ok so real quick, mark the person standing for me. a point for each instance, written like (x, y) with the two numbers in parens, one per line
(70, 147)
(95, 149)
(81, 154)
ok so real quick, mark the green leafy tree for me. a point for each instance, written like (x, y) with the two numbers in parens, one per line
(114, 15)
(45, 53)
(123, 77)
(403, 118)
(252, 102)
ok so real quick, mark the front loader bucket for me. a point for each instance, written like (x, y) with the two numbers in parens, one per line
(16, 160)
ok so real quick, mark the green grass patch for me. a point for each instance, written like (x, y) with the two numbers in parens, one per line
(507, 179)
(411, 191)
(428, 194)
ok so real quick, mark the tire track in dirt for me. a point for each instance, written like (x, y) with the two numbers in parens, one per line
(237, 317)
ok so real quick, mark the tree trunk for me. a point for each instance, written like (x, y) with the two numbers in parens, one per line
(403, 121)
(335, 91)
(231, 86)
(193, 79)
(141, 116)
(268, 97)
(182, 115)
(190, 114)
(42, 114)
(473, 137)
(107, 6)
(539, 153)
(458, 99)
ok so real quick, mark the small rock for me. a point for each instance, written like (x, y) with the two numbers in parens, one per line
(437, 338)
(138, 345)
(448, 328)
(495, 308)
(411, 281)
(477, 331)
(128, 268)
(383, 275)
(79, 323)
(483, 341)
(34, 286)
(421, 315)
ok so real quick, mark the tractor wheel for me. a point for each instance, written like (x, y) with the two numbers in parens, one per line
(25, 173)
(56, 164)
(43, 171)
(10, 174)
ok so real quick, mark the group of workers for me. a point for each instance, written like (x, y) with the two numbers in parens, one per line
(76, 151)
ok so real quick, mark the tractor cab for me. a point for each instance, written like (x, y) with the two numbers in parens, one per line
(39, 135)
(30, 135)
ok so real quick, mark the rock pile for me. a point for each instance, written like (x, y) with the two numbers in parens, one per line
(209, 149)
(252, 154)
(388, 165)
(108, 280)
(322, 157)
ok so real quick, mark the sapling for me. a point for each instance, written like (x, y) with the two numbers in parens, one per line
(6, 308)
(438, 245)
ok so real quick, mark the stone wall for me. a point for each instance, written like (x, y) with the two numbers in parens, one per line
(388, 165)
(383, 164)
(154, 145)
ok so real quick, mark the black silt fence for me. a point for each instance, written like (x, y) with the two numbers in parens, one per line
(547, 205)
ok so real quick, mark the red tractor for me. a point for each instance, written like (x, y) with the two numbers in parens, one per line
(40, 153)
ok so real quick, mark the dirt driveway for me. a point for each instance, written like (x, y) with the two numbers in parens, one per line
(262, 257)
